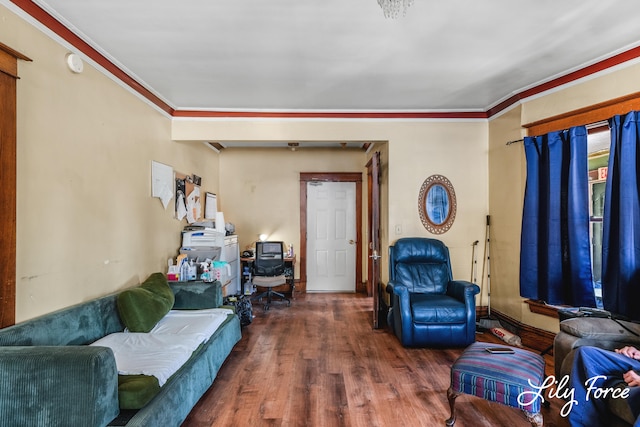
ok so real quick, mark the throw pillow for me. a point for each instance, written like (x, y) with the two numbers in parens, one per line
(140, 308)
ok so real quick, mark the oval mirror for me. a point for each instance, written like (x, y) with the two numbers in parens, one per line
(437, 204)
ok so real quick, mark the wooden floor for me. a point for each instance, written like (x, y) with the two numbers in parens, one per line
(320, 363)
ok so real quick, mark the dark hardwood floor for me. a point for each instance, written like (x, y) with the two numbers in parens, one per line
(320, 363)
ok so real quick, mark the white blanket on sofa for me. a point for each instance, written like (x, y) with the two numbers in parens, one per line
(163, 350)
(203, 322)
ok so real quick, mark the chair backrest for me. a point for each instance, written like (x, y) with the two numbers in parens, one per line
(269, 259)
(421, 264)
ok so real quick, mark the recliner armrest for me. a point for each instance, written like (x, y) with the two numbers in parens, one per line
(397, 288)
(401, 306)
(58, 385)
(462, 290)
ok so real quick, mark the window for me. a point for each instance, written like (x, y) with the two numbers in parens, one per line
(601, 113)
(598, 151)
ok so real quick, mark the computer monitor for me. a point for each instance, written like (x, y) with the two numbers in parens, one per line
(270, 249)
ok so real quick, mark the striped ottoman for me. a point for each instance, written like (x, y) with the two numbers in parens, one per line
(501, 378)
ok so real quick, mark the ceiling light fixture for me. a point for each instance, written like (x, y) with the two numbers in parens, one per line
(392, 8)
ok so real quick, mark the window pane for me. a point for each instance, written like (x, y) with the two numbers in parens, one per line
(598, 161)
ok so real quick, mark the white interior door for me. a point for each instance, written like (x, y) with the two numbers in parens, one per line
(331, 234)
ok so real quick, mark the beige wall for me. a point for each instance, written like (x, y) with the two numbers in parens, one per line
(260, 188)
(414, 151)
(86, 224)
(457, 150)
(605, 86)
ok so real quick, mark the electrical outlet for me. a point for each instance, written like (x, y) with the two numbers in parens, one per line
(398, 229)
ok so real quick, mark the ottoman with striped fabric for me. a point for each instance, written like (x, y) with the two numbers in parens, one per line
(510, 379)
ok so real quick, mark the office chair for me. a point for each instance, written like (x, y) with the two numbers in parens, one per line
(268, 270)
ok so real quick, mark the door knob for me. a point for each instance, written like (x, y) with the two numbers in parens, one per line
(352, 242)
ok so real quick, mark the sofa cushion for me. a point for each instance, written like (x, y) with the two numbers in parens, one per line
(140, 308)
(135, 391)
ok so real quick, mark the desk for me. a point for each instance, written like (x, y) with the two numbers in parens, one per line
(289, 272)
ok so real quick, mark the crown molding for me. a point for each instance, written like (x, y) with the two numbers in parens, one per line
(54, 25)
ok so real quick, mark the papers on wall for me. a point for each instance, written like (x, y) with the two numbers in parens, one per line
(193, 205)
(165, 183)
(188, 202)
(162, 182)
(181, 207)
(210, 206)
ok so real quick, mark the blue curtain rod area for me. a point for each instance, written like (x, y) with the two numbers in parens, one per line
(602, 125)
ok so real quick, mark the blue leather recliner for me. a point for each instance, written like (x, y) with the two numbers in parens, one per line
(428, 307)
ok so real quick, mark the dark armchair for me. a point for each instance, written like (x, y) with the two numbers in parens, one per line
(429, 308)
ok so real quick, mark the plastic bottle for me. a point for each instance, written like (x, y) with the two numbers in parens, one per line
(205, 276)
(184, 271)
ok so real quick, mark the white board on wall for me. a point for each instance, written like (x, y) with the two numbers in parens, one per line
(162, 182)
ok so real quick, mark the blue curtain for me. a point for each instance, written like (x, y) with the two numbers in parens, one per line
(621, 224)
(555, 254)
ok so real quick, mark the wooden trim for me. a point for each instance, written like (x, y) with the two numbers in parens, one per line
(14, 53)
(8, 60)
(303, 237)
(66, 34)
(329, 177)
(8, 65)
(8, 177)
(542, 308)
(535, 338)
(333, 114)
(605, 64)
(584, 116)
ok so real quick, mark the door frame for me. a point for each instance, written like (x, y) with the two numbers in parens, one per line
(306, 177)
(8, 174)
(373, 238)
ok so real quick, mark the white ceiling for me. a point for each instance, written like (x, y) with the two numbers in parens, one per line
(344, 55)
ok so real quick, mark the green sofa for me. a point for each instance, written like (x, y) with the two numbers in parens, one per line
(50, 376)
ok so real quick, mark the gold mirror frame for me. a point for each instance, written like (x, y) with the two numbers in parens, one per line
(428, 187)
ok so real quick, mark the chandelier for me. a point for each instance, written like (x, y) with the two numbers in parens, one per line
(393, 8)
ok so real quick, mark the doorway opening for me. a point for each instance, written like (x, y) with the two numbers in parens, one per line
(327, 177)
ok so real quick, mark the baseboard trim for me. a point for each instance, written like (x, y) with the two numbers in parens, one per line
(532, 337)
